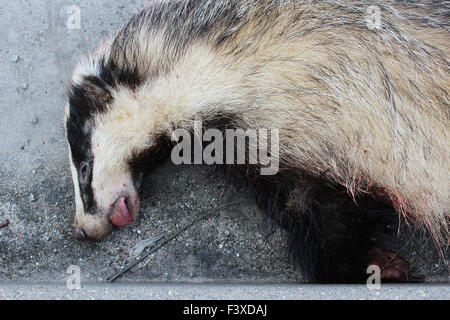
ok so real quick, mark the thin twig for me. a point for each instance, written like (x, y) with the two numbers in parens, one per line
(112, 278)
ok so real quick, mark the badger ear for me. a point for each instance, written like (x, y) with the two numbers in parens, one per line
(97, 90)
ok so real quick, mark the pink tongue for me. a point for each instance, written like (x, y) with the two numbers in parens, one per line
(121, 216)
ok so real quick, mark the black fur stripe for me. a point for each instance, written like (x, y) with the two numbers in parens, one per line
(111, 74)
(85, 100)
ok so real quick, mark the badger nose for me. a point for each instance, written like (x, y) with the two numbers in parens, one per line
(79, 234)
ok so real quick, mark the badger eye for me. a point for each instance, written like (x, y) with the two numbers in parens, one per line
(85, 172)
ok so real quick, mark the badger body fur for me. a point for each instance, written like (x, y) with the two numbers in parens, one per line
(360, 111)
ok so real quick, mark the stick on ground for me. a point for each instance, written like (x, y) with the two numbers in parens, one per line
(112, 278)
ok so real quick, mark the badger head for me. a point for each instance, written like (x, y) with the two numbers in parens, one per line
(104, 157)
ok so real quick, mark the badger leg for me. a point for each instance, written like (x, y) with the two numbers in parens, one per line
(329, 244)
(328, 238)
(331, 237)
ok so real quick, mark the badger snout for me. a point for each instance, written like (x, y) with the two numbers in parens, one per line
(122, 212)
(79, 234)
(97, 233)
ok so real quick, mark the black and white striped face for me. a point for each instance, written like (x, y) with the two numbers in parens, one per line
(106, 184)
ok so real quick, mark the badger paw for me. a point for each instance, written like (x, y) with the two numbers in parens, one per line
(393, 268)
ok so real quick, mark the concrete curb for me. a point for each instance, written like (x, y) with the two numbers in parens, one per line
(149, 291)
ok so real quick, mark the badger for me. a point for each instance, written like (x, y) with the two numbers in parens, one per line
(358, 91)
